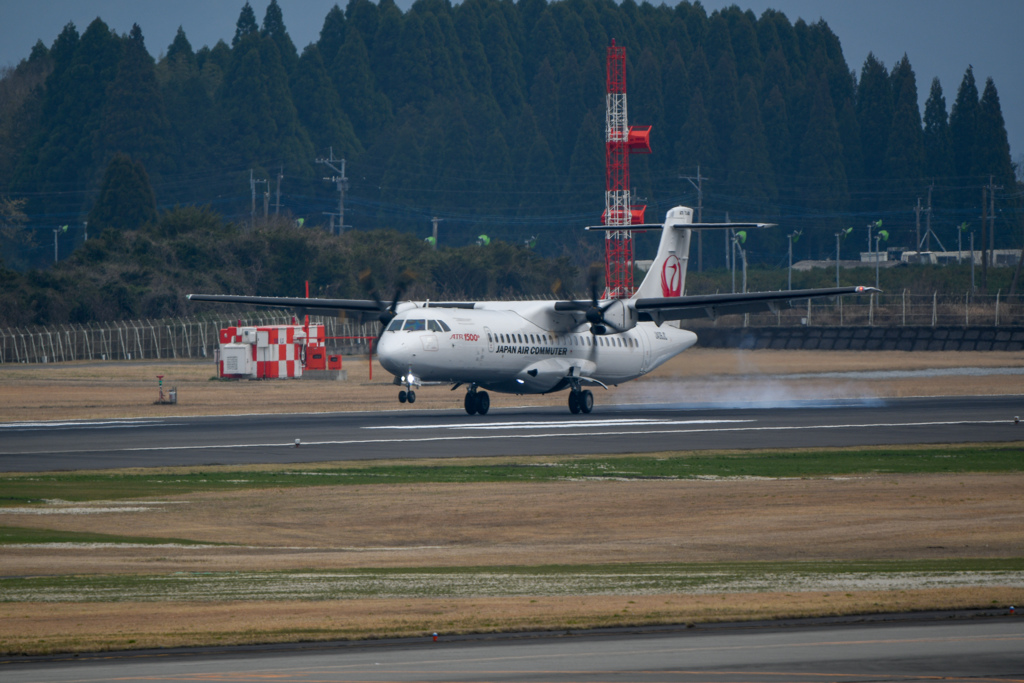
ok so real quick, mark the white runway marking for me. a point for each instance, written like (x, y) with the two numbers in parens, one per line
(538, 435)
(87, 424)
(568, 424)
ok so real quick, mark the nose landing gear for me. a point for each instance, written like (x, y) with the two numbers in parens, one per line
(477, 401)
(408, 395)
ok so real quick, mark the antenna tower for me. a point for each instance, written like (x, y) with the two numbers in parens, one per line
(620, 142)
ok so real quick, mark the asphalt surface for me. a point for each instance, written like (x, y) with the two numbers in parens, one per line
(262, 439)
(946, 648)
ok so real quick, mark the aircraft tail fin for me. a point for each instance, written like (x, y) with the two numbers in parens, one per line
(667, 275)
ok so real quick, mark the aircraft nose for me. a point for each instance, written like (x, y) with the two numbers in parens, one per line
(393, 352)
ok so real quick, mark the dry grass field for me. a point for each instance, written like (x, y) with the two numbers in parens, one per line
(898, 518)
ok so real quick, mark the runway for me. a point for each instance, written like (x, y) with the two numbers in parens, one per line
(921, 649)
(264, 439)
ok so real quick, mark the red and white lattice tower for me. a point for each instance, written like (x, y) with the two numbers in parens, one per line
(620, 141)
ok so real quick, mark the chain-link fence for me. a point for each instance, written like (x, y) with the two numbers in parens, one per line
(901, 309)
(169, 338)
(198, 338)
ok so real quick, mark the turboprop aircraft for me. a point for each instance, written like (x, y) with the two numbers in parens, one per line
(539, 347)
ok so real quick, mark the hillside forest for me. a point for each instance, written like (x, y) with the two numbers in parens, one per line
(487, 115)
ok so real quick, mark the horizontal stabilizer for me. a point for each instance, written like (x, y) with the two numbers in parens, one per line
(687, 226)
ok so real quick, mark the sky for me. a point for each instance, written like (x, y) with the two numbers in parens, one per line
(941, 37)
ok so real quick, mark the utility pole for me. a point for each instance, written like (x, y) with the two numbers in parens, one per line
(928, 219)
(86, 226)
(992, 217)
(793, 237)
(700, 216)
(730, 255)
(972, 263)
(342, 182)
(838, 235)
(435, 220)
(56, 231)
(277, 198)
(984, 251)
(253, 182)
(917, 228)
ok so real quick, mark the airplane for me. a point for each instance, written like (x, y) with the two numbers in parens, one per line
(541, 347)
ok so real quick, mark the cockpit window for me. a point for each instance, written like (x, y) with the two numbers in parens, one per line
(433, 326)
(395, 325)
(415, 325)
(444, 326)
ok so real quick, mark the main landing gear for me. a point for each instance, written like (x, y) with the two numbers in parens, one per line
(477, 402)
(580, 401)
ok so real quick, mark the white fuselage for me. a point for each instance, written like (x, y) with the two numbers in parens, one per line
(519, 347)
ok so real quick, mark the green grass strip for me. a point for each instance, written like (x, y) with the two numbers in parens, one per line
(85, 486)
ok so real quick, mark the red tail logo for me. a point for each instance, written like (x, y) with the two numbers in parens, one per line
(672, 276)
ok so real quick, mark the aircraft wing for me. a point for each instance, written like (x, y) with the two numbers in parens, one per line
(715, 305)
(366, 305)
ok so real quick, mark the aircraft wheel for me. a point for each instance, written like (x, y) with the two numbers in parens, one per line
(412, 397)
(402, 396)
(574, 403)
(586, 401)
(470, 402)
(483, 402)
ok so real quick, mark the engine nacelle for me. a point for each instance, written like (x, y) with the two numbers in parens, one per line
(618, 316)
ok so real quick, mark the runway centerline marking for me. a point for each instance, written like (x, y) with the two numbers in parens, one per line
(540, 424)
(537, 435)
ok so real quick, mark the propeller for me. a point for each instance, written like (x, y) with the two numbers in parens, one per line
(595, 313)
(386, 312)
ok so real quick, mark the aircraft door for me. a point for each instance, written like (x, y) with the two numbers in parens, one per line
(645, 346)
(490, 339)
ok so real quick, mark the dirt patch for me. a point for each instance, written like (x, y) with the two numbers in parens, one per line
(128, 389)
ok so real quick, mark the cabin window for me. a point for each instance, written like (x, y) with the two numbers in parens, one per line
(520, 337)
(489, 340)
(395, 325)
(415, 325)
(532, 340)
